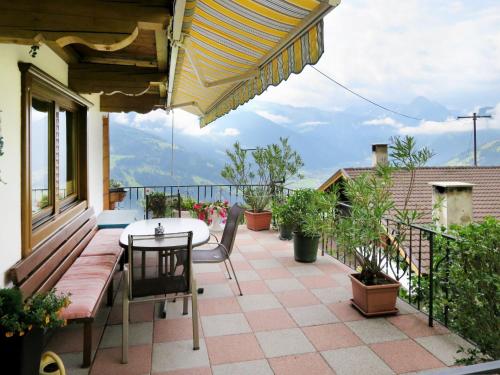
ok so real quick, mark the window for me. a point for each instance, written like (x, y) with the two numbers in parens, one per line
(54, 156)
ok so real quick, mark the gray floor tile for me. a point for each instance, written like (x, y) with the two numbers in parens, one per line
(359, 360)
(262, 264)
(216, 291)
(254, 302)
(284, 342)
(312, 315)
(332, 295)
(444, 347)
(139, 334)
(308, 270)
(259, 367)
(284, 285)
(169, 356)
(225, 324)
(375, 330)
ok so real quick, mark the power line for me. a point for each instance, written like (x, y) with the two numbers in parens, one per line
(363, 97)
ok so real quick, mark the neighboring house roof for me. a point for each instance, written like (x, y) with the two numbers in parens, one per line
(485, 193)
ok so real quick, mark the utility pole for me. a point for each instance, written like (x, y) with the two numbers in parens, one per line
(474, 118)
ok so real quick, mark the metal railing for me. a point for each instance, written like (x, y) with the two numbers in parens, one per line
(135, 198)
(422, 254)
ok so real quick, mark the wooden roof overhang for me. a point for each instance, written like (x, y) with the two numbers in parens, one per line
(115, 47)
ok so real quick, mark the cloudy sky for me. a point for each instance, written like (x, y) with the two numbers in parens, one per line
(392, 51)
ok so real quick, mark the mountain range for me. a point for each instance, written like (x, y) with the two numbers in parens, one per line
(327, 140)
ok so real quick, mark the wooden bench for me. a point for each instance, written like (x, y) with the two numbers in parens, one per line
(78, 259)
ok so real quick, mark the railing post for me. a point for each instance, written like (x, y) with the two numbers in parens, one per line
(431, 279)
(447, 280)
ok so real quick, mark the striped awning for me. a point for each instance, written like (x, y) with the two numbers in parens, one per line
(233, 50)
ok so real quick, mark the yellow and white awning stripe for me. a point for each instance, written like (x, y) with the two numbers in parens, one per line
(234, 49)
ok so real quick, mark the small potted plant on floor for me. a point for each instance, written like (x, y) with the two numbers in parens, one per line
(116, 193)
(22, 328)
(363, 232)
(313, 216)
(260, 182)
(284, 218)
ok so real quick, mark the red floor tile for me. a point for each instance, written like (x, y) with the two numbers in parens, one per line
(267, 320)
(258, 255)
(310, 364)
(331, 336)
(108, 361)
(173, 330)
(208, 278)
(406, 356)
(296, 298)
(274, 273)
(238, 266)
(70, 339)
(139, 312)
(251, 287)
(215, 306)
(318, 282)
(416, 326)
(289, 261)
(345, 311)
(234, 348)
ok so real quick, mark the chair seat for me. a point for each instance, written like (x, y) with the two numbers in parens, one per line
(85, 280)
(105, 242)
(206, 256)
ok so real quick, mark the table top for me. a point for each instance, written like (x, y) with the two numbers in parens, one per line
(201, 234)
(117, 218)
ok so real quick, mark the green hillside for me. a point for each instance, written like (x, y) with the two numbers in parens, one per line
(487, 154)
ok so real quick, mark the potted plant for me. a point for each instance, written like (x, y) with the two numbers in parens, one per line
(213, 213)
(23, 325)
(116, 193)
(284, 218)
(157, 203)
(313, 215)
(260, 182)
(363, 234)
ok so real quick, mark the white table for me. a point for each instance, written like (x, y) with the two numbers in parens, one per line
(201, 234)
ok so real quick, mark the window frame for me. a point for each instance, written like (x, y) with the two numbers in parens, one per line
(37, 228)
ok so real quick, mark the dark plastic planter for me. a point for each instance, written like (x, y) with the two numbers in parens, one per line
(21, 354)
(286, 232)
(305, 248)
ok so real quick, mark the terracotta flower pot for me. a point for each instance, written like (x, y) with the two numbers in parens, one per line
(116, 195)
(372, 300)
(258, 220)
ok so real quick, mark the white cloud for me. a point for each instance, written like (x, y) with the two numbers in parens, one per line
(277, 119)
(384, 121)
(453, 125)
(120, 118)
(231, 132)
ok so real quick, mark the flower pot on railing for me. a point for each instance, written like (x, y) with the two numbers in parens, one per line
(305, 248)
(116, 195)
(21, 354)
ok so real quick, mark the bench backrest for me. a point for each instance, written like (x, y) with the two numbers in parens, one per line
(41, 270)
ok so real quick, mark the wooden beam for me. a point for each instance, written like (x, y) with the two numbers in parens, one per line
(96, 78)
(120, 61)
(105, 162)
(100, 24)
(122, 103)
(161, 41)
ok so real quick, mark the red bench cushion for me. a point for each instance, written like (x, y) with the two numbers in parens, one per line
(85, 281)
(105, 242)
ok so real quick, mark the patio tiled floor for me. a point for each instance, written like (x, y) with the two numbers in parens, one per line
(292, 319)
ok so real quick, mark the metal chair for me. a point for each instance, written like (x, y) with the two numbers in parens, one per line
(159, 266)
(173, 204)
(222, 252)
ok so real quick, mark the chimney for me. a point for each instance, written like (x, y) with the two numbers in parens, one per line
(452, 203)
(379, 154)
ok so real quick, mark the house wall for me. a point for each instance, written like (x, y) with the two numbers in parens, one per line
(10, 162)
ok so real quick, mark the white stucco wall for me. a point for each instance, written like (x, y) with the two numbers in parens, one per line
(10, 162)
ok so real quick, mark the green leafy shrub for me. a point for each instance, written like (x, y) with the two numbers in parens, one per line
(313, 211)
(42, 310)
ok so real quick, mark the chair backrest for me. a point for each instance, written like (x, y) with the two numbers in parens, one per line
(173, 203)
(229, 233)
(159, 264)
